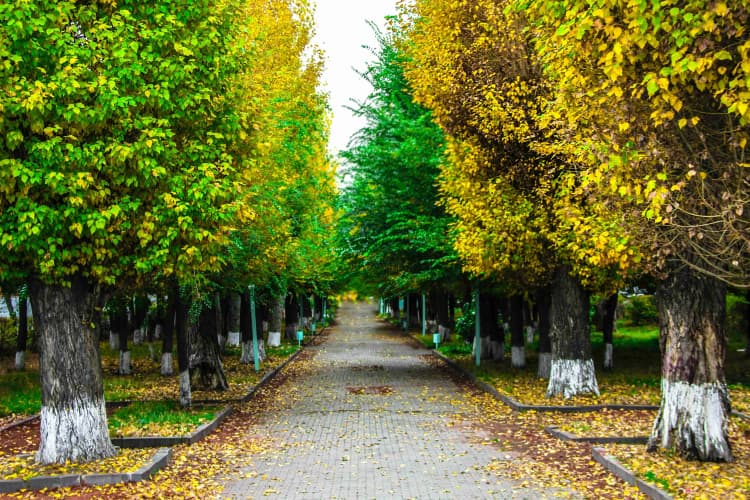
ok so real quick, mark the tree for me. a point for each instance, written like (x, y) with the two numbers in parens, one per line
(392, 231)
(505, 181)
(655, 100)
(117, 123)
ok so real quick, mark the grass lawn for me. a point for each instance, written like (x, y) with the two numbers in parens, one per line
(636, 378)
(20, 393)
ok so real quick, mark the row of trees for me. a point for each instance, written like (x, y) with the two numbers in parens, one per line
(585, 145)
(169, 148)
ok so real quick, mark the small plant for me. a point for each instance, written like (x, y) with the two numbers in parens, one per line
(651, 477)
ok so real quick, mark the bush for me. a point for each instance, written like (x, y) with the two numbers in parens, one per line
(465, 322)
(641, 310)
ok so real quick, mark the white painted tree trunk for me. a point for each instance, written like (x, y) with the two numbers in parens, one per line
(157, 332)
(545, 365)
(138, 335)
(262, 350)
(114, 341)
(529, 334)
(274, 339)
(82, 414)
(166, 364)
(185, 394)
(445, 333)
(609, 361)
(571, 377)
(233, 339)
(518, 356)
(497, 350)
(125, 368)
(693, 418)
(246, 357)
(20, 360)
(151, 352)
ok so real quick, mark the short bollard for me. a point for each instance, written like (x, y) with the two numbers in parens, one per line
(436, 339)
(312, 328)
(300, 337)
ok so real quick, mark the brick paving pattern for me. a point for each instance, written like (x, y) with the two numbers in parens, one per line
(371, 419)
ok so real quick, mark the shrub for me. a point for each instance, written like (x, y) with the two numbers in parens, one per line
(640, 310)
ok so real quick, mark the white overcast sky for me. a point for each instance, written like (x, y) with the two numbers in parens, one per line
(341, 31)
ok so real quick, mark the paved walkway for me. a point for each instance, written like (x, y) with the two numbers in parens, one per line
(371, 419)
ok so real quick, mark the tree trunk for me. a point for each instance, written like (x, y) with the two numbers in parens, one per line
(307, 312)
(518, 351)
(490, 342)
(275, 321)
(246, 330)
(543, 302)
(395, 312)
(442, 315)
(318, 306)
(747, 322)
(140, 312)
(695, 408)
(234, 306)
(608, 328)
(572, 370)
(23, 332)
(413, 310)
(291, 314)
(183, 347)
(261, 313)
(73, 416)
(167, 332)
(206, 369)
(119, 324)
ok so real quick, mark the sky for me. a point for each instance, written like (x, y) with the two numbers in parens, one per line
(341, 31)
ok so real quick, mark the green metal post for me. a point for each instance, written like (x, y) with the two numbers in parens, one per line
(254, 329)
(424, 314)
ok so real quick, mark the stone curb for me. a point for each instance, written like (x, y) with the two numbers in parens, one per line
(568, 436)
(161, 441)
(563, 409)
(269, 376)
(615, 467)
(524, 407)
(158, 461)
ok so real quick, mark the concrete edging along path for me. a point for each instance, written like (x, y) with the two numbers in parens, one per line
(158, 461)
(615, 467)
(161, 456)
(554, 430)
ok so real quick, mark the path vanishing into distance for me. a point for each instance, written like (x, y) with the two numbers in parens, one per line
(369, 416)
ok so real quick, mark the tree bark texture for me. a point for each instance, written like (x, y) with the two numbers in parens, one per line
(413, 308)
(442, 314)
(183, 347)
(167, 334)
(246, 333)
(291, 314)
(543, 303)
(491, 340)
(73, 415)
(518, 353)
(608, 327)
(23, 332)
(695, 408)
(572, 369)
(206, 369)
